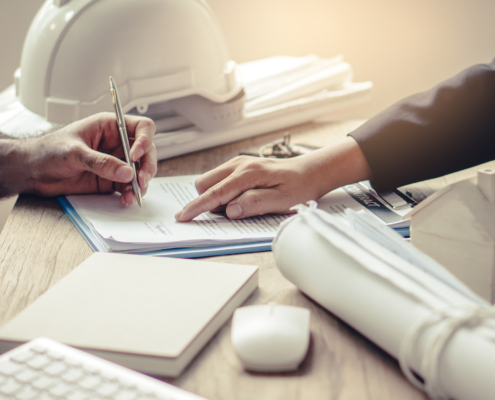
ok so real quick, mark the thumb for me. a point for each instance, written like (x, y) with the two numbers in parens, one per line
(258, 202)
(106, 166)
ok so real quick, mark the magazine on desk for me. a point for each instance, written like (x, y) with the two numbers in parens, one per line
(152, 229)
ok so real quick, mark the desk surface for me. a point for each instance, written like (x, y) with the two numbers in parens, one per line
(39, 245)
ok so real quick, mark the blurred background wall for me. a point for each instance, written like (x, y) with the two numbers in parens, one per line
(402, 46)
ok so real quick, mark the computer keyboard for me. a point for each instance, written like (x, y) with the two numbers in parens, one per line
(44, 369)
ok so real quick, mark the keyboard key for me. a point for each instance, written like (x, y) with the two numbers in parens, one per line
(9, 368)
(72, 375)
(55, 355)
(23, 356)
(47, 396)
(73, 362)
(91, 369)
(38, 362)
(38, 348)
(10, 386)
(107, 389)
(89, 382)
(27, 375)
(78, 395)
(45, 382)
(27, 393)
(55, 368)
(127, 395)
(127, 383)
(60, 389)
(108, 375)
(144, 390)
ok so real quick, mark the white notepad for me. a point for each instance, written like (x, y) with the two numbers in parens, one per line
(146, 313)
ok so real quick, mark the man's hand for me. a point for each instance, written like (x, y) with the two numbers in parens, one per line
(85, 157)
(247, 186)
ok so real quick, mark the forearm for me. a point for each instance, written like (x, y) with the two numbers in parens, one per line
(334, 166)
(443, 130)
(14, 171)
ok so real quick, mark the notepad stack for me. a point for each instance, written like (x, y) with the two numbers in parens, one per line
(147, 313)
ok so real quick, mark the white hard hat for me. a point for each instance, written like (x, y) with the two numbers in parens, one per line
(166, 52)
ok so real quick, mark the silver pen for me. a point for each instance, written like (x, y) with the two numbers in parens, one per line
(125, 139)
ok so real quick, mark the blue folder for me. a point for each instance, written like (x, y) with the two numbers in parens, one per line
(186, 252)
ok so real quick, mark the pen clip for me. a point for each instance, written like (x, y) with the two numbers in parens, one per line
(116, 103)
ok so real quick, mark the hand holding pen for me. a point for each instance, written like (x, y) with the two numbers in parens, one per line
(85, 157)
(130, 156)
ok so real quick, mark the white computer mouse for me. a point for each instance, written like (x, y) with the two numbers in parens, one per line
(271, 337)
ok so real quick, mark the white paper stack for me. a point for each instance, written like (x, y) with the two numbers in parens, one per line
(280, 92)
(152, 228)
(410, 306)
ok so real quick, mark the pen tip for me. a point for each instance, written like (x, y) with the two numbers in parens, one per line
(139, 199)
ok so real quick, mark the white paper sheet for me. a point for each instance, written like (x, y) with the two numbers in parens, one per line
(154, 226)
(359, 197)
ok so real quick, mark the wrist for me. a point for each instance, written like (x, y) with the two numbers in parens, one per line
(14, 167)
(336, 165)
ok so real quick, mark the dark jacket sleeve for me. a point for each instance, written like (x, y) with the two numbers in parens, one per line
(445, 129)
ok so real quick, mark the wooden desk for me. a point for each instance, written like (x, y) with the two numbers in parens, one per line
(39, 245)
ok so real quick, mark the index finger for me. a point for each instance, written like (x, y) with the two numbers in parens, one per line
(218, 195)
(143, 130)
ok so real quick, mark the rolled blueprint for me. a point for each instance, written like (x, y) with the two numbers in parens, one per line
(437, 331)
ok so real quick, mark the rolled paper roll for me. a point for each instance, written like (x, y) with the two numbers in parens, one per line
(442, 335)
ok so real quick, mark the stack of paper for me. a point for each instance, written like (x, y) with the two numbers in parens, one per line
(152, 229)
(280, 92)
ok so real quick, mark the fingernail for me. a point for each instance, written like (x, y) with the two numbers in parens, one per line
(234, 210)
(177, 216)
(138, 154)
(124, 173)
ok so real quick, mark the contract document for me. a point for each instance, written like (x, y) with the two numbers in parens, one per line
(153, 226)
(110, 227)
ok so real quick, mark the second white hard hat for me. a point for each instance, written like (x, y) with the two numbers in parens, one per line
(170, 53)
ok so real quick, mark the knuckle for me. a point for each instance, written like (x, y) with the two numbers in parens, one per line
(215, 196)
(200, 186)
(254, 201)
(103, 163)
(148, 123)
(253, 166)
(102, 118)
(239, 159)
(216, 193)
